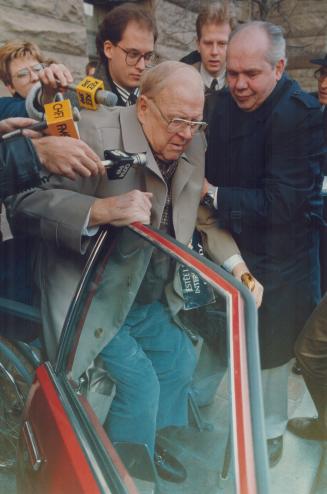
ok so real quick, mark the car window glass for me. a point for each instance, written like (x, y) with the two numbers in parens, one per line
(198, 310)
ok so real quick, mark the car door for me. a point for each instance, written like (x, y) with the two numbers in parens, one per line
(63, 446)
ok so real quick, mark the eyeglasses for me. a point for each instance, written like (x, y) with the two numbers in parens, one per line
(27, 71)
(177, 124)
(320, 74)
(133, 57)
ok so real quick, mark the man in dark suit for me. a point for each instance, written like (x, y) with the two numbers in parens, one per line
(311, 346)
(213, 27)
(265, 153)
(125, 44)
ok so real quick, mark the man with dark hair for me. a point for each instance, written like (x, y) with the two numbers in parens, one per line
(265, 153)
(125, 44)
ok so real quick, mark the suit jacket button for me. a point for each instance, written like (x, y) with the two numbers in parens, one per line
(98, 333)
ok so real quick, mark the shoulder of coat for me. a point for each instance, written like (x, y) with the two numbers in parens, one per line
(305, 99)
(103, 117)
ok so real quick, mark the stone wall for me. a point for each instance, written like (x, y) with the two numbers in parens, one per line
(304, 22)
(57, 26)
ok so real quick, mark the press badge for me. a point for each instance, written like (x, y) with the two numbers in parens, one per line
(196, 291)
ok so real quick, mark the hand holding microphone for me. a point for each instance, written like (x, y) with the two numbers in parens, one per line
(90, 91)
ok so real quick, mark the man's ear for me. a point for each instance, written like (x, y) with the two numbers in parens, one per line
(142, 107)
(107, 49)
(279, 69)
(11, 89)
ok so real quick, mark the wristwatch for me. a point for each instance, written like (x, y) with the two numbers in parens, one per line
(248, 280)
(208, 200)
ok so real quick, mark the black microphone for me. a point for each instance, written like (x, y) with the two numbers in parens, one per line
(118, 163)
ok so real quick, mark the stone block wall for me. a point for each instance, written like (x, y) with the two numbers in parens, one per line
(304, 22)
(63, 32)
(57, 26)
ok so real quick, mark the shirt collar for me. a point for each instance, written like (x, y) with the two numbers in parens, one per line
(207, 78)
(125, 94)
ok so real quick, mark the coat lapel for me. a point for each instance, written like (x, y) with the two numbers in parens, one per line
(181, 178)
(134, 141)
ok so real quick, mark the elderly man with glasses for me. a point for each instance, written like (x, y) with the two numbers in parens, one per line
(125, 45)
(150, 359)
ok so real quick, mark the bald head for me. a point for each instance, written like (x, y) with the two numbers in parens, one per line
(255, 63)
(170, 91)
(167, 75)
(271, 36)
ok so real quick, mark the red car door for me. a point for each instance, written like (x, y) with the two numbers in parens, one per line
(63, 447)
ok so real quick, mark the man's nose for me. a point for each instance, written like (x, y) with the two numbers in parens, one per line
(241, 82)
(140, 63)
(186, 132)
(214, 49)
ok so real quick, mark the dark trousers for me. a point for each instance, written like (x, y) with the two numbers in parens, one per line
(311, 345)
(16, 283)
(311, 351)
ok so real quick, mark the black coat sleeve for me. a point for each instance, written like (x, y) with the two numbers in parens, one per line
(19, 166)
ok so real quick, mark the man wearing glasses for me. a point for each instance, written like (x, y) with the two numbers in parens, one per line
(125, 44)
(321, 76)
(150, 359)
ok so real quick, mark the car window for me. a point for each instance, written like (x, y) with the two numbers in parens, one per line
(220, 444)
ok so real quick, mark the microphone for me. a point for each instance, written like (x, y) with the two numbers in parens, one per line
(118, 163)
(14, 133)
(59, 119)
(91, 93)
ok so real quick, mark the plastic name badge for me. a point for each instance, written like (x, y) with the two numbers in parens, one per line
(59, 118)
(86, 91)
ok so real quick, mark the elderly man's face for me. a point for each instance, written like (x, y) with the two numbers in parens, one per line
(321, 76)
(179, 100)
(250, 77)
(136, 43)
(24, 73)
(212, 47)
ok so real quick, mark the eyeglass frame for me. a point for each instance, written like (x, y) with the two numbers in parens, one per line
(151, 55)
(318, 74)
(190, 123)
(28, 70)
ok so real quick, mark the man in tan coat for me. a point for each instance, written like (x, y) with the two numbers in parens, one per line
(150, 359)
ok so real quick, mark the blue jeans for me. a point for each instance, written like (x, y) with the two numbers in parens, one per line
(152, 362)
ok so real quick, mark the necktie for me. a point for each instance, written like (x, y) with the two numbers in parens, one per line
(214, 85)
(131, 99)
